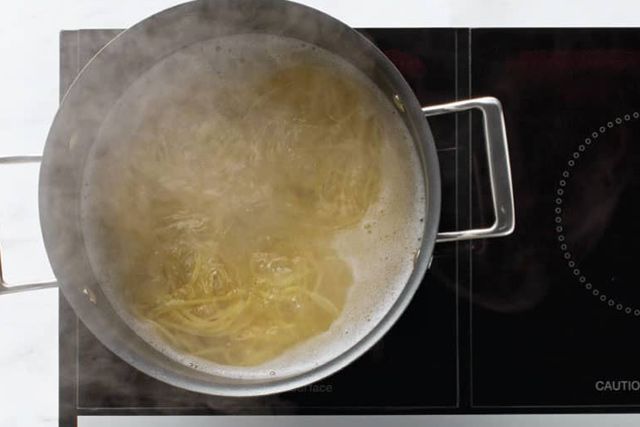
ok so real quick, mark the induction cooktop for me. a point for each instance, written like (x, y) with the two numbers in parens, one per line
(541, 321)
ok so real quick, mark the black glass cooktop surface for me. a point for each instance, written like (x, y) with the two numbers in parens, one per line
(558, 322)
(540, 321)
(412, 370)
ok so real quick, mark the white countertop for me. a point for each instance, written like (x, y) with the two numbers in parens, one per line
(29, 87)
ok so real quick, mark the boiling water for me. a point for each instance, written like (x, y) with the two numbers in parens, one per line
(366, 247)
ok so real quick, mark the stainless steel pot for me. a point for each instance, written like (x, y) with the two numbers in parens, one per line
(108, 75)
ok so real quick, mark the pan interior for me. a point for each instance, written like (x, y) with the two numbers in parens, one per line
(379, 250)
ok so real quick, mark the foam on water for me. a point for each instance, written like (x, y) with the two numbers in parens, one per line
(380, 250)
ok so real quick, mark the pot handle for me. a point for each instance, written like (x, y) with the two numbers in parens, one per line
(4, 289)
(495, 136)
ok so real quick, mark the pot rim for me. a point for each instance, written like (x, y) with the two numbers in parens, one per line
(201, 381)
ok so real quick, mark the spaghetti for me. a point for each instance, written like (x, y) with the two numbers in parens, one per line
(225, 216)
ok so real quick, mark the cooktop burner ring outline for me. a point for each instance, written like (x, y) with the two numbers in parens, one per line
(558, 211)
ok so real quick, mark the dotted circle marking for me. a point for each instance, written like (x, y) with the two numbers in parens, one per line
(562, 183)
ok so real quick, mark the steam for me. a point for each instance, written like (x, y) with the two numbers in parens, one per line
(119, 66)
